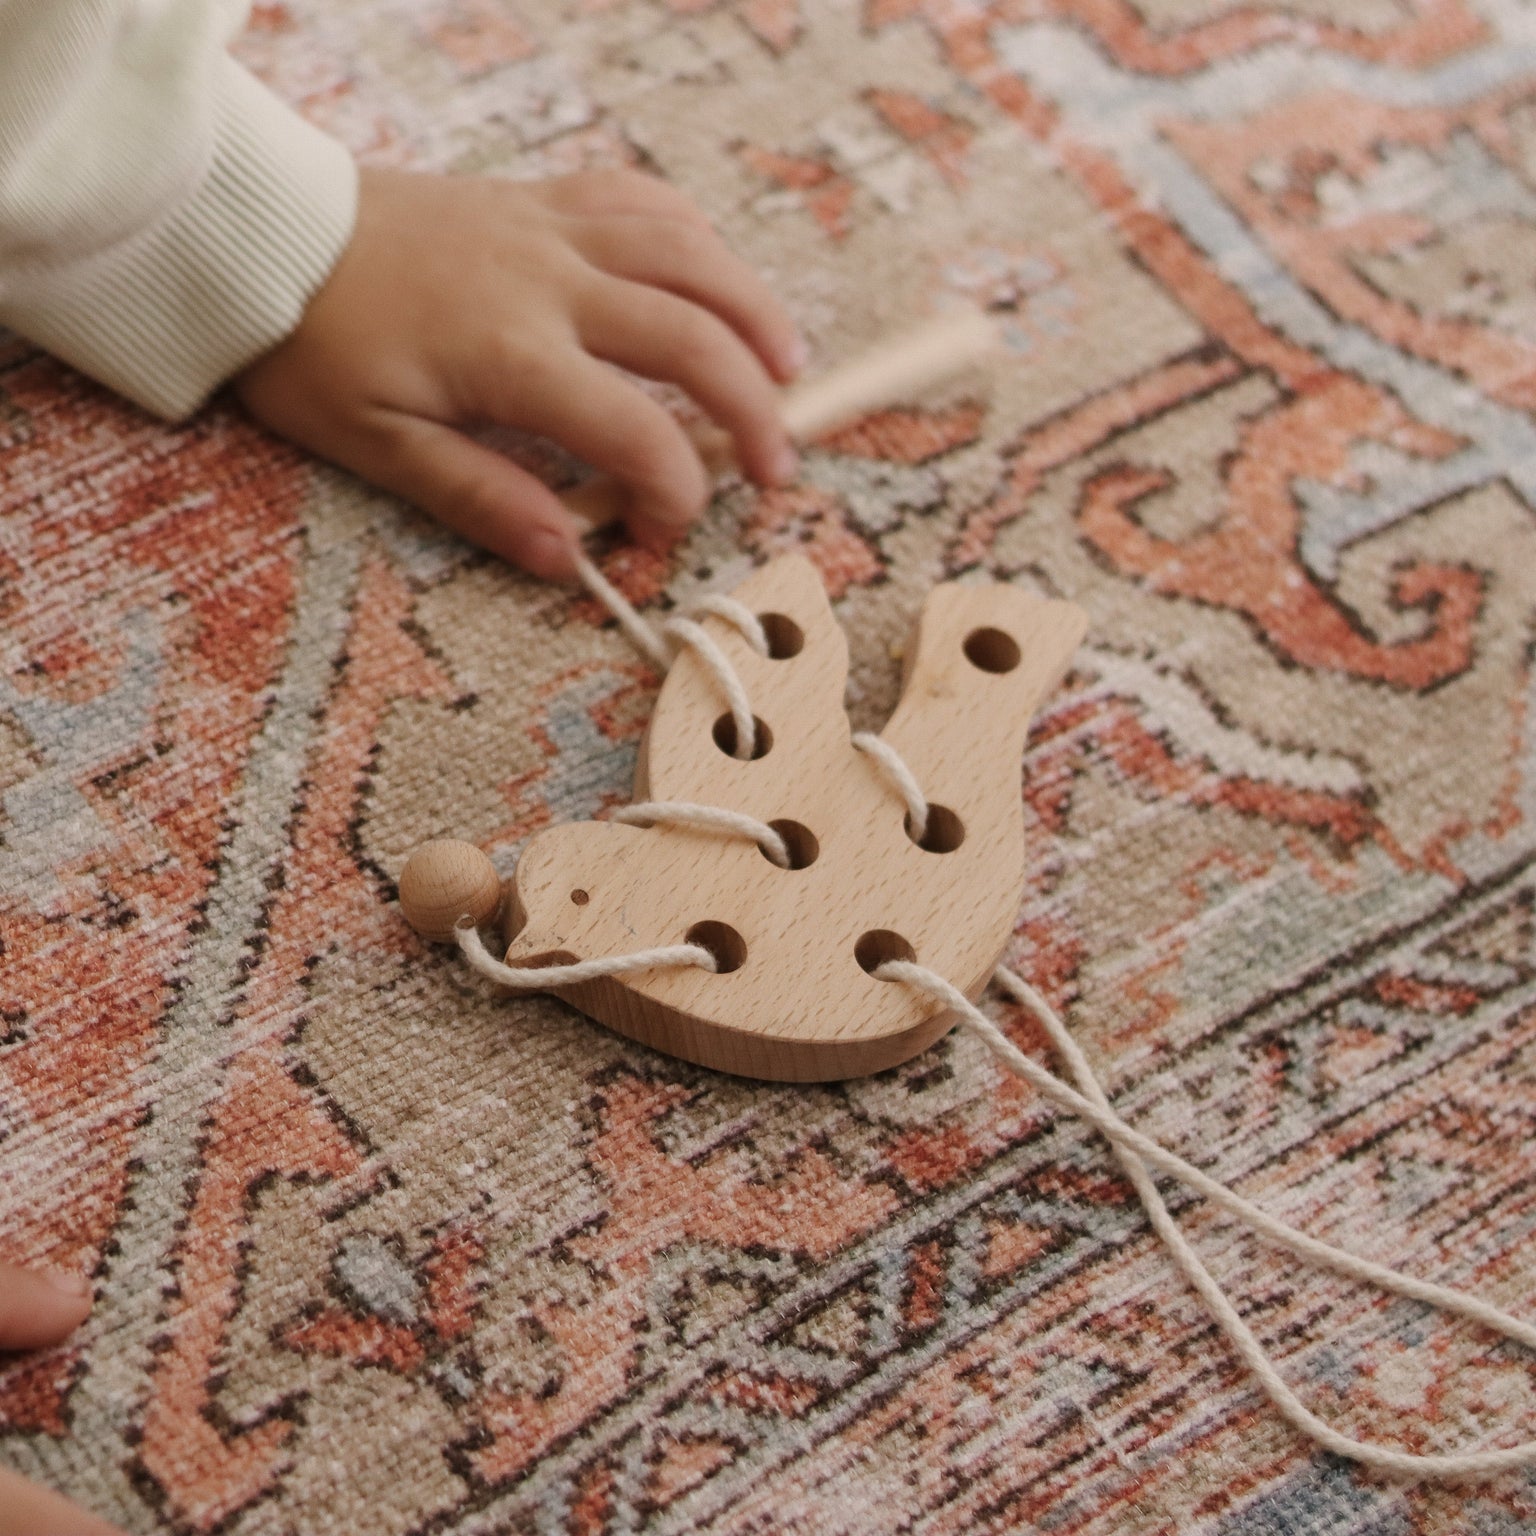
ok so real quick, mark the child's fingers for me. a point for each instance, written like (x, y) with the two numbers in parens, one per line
(657, 334)
(602, 194)
(659, 538)
(40, 1307)
(609, 422)
(29, 1510)
(473, 490)
(692, 261)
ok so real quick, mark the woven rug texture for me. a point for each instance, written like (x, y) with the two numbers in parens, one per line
(377, 1250)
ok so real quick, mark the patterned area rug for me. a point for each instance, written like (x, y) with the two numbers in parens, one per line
(377, 1251)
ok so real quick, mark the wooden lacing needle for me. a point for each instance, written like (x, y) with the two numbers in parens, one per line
(894, 371)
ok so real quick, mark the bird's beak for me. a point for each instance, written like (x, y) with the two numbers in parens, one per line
(536, 949)
(530, 943)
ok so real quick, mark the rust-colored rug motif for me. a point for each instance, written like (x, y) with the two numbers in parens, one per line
(376, 1250)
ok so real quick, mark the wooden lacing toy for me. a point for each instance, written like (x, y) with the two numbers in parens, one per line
(767, 908)
(794, 997)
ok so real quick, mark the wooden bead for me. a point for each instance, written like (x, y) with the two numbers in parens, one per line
(445, 881)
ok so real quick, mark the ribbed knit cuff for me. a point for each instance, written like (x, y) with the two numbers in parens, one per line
(166, 316)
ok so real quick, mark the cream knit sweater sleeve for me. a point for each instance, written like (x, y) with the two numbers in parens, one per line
(164, 218)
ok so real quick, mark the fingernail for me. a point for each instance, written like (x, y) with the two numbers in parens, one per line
(786, 465)
(797, 354)
(76, 1287)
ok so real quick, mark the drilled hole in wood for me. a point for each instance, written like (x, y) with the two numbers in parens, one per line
(543, 959)
(991, 650)
(580, 897)
(725, 736)
(723, 942)
(785, 637)
(799, 840)
(944, 832)
(879, 945)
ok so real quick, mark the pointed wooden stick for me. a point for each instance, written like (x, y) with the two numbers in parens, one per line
(895, 371)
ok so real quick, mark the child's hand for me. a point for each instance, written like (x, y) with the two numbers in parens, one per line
(38, 1309)
(464, 301)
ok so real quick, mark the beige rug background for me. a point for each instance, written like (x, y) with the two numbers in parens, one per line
(377, 1251)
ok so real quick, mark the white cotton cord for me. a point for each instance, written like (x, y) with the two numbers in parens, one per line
(685, 631)
(900, 778)
(707, 818)
(538, 978)
(1279, 1232)
(694, 635)
(645, 638)
(1226, 1315)
(1132, 1147)
(738, 615)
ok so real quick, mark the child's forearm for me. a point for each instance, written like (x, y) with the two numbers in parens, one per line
(164, 219)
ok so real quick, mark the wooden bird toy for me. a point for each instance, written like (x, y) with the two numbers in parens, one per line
(791, 967)
(786, 900)
(793, 998)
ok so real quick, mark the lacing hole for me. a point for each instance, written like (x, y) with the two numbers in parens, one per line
(879, 945)
(991, 650)
(785, 637)
(580, 897)
(944, 833)
(723, 942)
(800, 841)
(725, 736)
